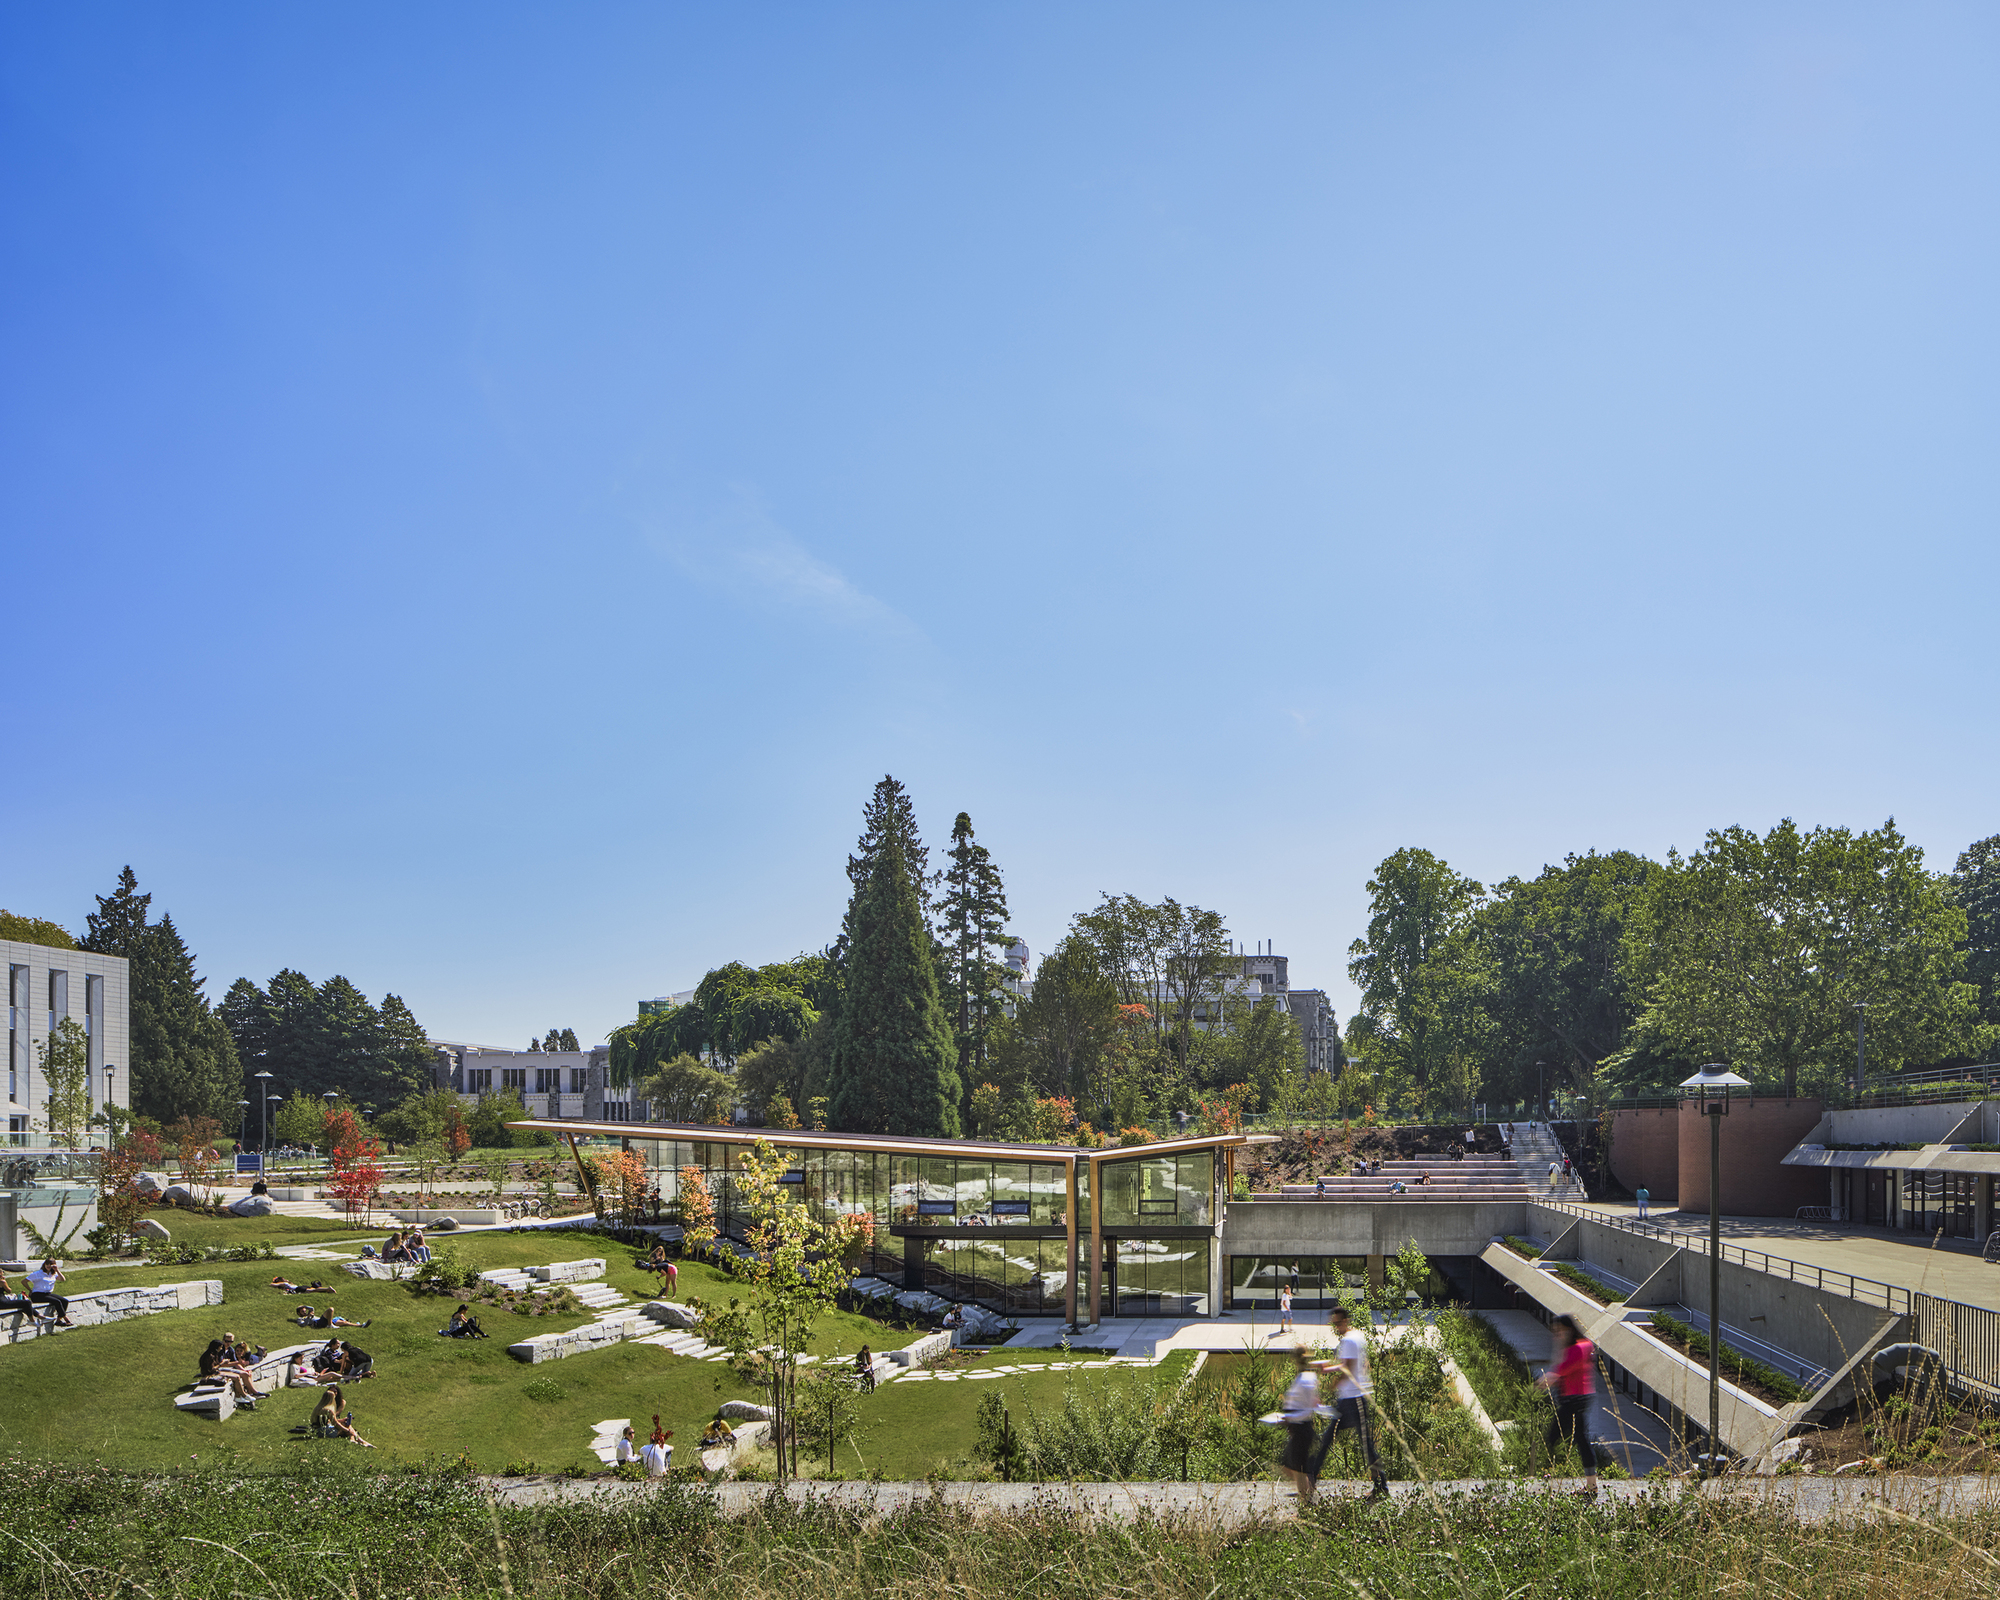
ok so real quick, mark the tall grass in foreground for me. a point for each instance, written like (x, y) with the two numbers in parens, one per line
(334, 1532)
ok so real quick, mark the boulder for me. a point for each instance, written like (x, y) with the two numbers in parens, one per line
(389, 1270)
(444, 1225)
(253, 1205)
(178, 1194)
(979, 1323)
(147, 1228)
(148, 1183)
(743, 1411)
(672, 1313)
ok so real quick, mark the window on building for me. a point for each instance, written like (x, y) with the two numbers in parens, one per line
(514, 1078)
(479, 1080)
(17, 1130)
(546, 1079)
(58, 998)
(579, 1078)
(17, 1030)
(93, 1024)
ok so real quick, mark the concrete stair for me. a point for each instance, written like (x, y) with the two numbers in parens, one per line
(1535, 1146)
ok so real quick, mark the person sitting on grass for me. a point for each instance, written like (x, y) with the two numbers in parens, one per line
(329, 1423)
(415, 1246)
(326, 1359)
(628, 1446)
(395, 1249)
(463, 1325)
(719, 1433)
(658, 1453)
(354, 1361)
(309, 1318)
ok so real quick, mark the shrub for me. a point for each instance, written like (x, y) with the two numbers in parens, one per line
(1577, 1278)
(1735, 1365)
(1521, 1247)
(546, 1390)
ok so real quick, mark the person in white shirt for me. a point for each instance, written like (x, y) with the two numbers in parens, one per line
(628, 1446)
(1351, 1390)
(656, 1456)
(1300, 1411)
(42, 1290)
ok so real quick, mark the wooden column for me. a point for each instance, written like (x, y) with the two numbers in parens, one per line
(1096, 1245)
(1069, 1277)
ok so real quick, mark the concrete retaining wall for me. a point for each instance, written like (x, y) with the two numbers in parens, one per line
(921, 1352)
(1376, 1228)
(118, 1305)
(1757, 1135)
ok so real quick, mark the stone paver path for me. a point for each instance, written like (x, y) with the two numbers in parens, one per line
(1244, 1505)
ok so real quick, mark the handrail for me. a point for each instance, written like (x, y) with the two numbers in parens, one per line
(1891, 1297)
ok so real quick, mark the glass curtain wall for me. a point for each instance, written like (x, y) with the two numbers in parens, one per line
(1254, 1281)
(1158, 1191)
(1025, 1276)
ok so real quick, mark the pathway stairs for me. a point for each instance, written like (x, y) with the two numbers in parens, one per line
(1535, 1146)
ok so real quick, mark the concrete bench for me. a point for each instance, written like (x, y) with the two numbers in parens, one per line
(221, 1402)
(115, 1305)
(580, 1341)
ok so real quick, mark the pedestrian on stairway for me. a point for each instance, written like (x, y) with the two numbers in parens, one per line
(1555, 1172)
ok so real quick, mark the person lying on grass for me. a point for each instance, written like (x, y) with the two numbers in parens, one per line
(285, 1285)
(301, 1374)
(329, 1423)
(309, 1318)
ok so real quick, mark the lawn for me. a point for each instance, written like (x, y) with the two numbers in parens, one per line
(104, 1394)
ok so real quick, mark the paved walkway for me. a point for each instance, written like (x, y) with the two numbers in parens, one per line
(1951, 1270)
(1242, 1505)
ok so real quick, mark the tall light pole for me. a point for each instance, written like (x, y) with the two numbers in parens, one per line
(1541, 1096)
(1709, 1089)
(264, 1084)
(242, 1120)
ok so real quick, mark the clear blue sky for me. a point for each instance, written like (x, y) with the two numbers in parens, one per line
(486, 489)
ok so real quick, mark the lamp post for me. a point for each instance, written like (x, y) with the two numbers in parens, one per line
(329, 1096)
(1709, 1090)
(1541, 1097)
(265, 1079)
(242, 1120)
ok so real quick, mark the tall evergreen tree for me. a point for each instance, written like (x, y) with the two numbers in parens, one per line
(406, 1049)
(893, 1066)
(889, 816)
(974, 916)
(183, 1059)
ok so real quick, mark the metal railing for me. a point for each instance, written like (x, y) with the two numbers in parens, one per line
(1869, 1291)
(1967, 1337)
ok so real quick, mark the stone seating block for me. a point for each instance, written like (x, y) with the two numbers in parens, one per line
(929, 1348)
(219, 1401)
(569, 1271)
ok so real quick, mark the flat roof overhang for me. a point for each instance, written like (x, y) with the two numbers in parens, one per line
(889, 1144)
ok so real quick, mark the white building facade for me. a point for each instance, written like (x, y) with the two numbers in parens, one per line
(44, 985)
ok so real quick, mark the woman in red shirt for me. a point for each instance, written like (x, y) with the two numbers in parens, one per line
(1574, 1380)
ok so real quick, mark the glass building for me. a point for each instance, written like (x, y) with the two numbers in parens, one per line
(1028, 1230)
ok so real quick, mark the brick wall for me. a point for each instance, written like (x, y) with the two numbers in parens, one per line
(1756, 1136)
(1646, 1152)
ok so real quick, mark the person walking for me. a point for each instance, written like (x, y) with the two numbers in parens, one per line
(1573, 1380)
(1299, 1413)
(1284, 1308)
(42, 1290)
(1351, 1392)
(1643, 1197)
(1555, 1172)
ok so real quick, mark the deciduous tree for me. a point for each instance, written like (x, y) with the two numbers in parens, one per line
(1755, 951)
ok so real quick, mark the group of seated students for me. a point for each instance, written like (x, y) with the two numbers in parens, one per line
(331, 1362)
(41, 1291)
(655, 1455)
(407, 1247)
(229, 1364)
